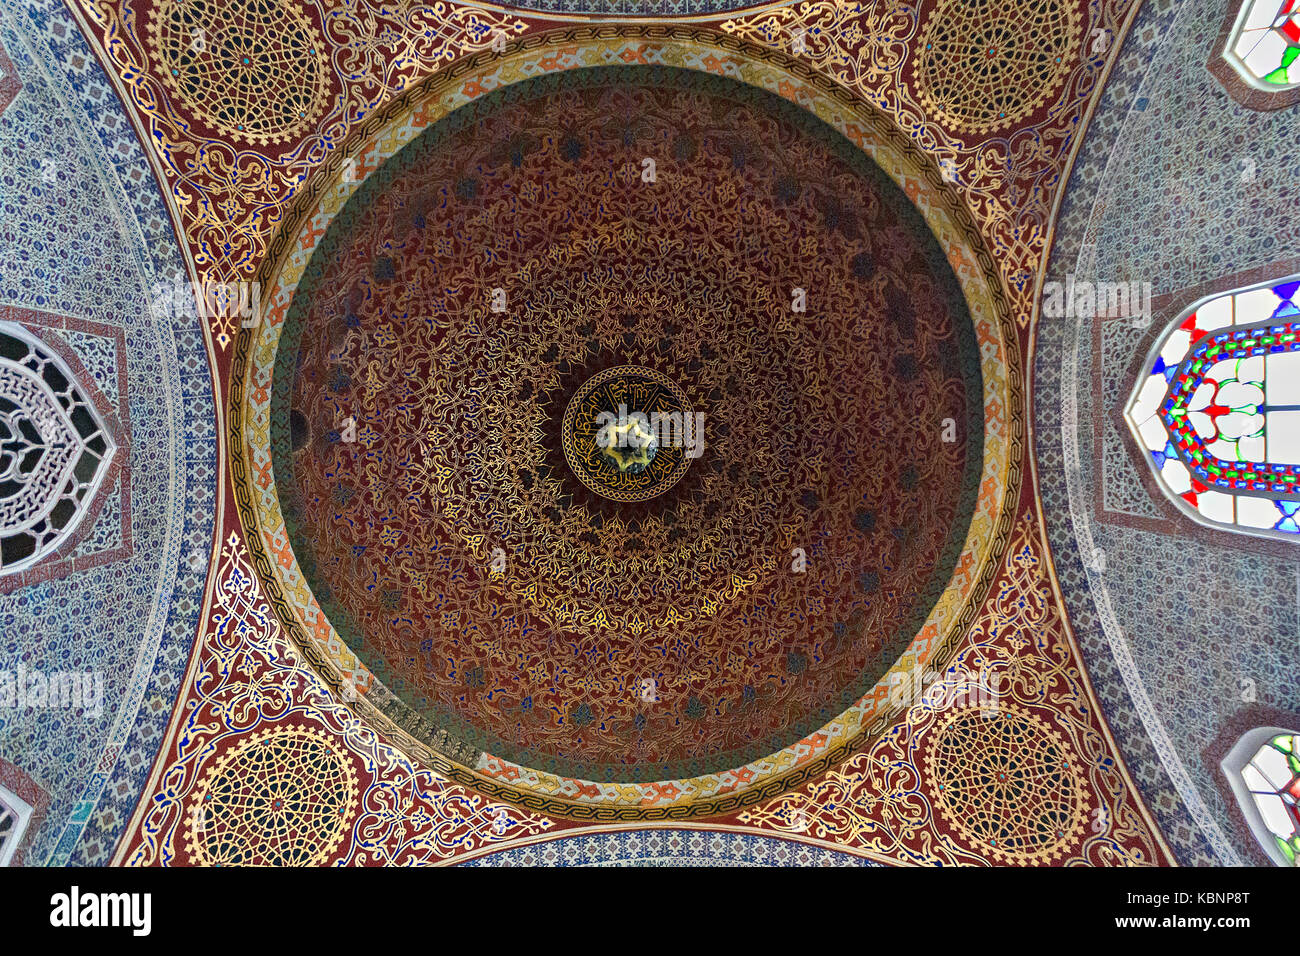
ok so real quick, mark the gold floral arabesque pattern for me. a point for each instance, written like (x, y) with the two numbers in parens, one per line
(227, 195)
(682, 796)
(1009, 178)
(911, 797)
(249, 680)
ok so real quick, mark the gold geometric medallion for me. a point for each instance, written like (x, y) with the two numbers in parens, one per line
(629, 433)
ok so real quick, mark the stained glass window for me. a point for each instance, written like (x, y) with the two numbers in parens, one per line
(14, 815)
(1264, 770)
(1264, 46)
(1217, 410)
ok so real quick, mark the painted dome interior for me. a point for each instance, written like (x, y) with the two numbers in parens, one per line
(665, 432)
(459, 415)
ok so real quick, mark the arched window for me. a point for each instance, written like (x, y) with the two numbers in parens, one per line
(15, 814)
(1264, 45)
(1263, 769)
(1217, 409)
(54, 450)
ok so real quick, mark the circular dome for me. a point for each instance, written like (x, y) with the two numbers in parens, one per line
(777, 341)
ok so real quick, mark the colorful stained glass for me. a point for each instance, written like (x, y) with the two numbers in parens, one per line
(1217, 409)
(1272, 780)
(1265, 44)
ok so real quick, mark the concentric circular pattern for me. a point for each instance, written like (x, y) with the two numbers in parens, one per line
(1004, 780)
(282, 797)
(252, 69)
(624, 401)
(984, 65)
(505, 603)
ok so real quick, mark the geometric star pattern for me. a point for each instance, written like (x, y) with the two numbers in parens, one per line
(251, 68)
(280, 798)
(1006, 783)
(982, 67)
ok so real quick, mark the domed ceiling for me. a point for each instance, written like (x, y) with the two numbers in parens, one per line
(631, 626)
(427, 394)
(619, 439)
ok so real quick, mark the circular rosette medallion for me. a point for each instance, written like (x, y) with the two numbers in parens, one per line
(630, 434)
(254, 70)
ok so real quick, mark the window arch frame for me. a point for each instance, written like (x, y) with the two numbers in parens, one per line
(109, 460)
(1236, 78)
(21, 812)
(1145, 370)
(1233, 764)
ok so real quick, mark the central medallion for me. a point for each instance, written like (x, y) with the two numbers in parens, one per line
(629, 433)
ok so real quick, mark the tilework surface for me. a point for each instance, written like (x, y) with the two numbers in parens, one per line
(1119, 342)
(669, 848)
(1178, 631)
(84, 234)
(1207, 186)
